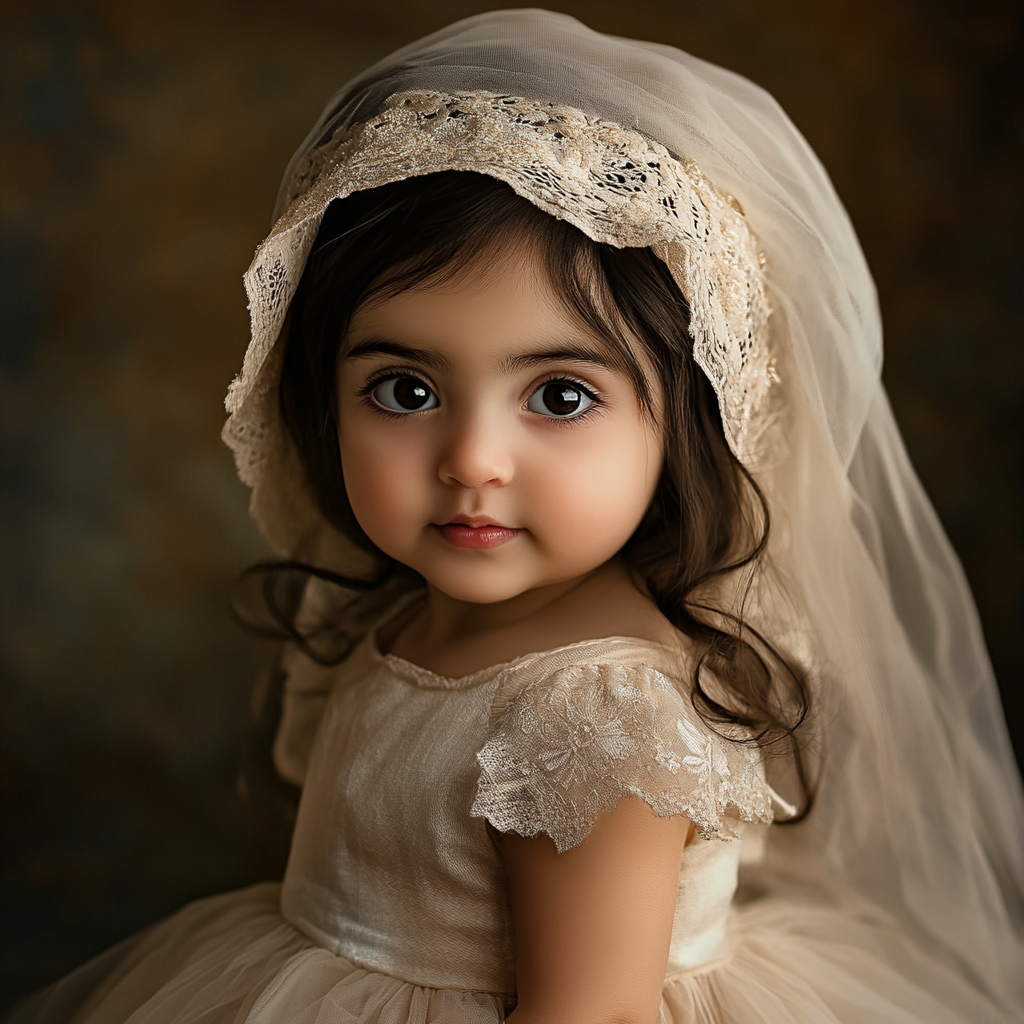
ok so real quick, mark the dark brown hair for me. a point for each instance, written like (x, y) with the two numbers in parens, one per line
(708, 524)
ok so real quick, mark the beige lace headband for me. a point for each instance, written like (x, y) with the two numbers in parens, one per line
(615, 185)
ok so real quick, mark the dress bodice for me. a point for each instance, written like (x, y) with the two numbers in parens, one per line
(387, 866)
(394, 862)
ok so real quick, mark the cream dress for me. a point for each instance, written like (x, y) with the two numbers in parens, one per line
(394, 906)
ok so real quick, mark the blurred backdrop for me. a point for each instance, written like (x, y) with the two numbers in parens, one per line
(142, 146)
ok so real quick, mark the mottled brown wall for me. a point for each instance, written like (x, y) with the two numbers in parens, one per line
(142, 144)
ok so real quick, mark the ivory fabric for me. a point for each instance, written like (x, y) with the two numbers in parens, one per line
(394, 906)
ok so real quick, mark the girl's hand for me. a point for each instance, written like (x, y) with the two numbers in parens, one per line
(593, 925)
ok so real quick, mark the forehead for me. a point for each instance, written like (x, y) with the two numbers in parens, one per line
(498, 297)
(497, 306)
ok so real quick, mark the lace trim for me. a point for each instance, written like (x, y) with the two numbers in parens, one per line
(572, 744)
(614, 184)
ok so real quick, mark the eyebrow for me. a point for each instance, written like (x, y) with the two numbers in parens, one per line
(381, 346)
(565, 354)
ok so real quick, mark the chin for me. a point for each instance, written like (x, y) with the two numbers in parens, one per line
(482, 589)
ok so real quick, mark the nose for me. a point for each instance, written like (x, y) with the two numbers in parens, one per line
(476, 454)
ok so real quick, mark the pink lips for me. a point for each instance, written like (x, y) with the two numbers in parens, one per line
(476, 532)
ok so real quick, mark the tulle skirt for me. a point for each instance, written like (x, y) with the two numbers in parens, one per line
(233, 959)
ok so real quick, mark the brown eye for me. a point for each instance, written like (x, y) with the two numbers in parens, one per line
(560, 399)
(405, 394)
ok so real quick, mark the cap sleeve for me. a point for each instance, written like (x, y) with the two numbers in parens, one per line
(569, 745)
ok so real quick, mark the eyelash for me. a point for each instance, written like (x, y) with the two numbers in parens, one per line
(365, 392)
(389, 373)
(588, 389)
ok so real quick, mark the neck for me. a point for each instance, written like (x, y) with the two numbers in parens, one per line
(446, 619)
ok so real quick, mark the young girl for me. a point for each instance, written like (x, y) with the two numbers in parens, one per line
(564, 394)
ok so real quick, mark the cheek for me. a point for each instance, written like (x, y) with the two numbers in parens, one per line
(592, 499)
(384, 482)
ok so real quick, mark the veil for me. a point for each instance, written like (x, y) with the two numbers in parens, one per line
(919, 816)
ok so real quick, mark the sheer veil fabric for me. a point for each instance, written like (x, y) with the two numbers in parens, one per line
(919, 816)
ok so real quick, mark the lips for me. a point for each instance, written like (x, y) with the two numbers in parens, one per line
(476, 532)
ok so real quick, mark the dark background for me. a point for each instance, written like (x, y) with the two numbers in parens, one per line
(141, 149)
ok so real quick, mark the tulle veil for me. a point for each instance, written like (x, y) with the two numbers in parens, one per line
(919, 816)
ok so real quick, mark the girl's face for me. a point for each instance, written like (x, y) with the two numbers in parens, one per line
(486, 440)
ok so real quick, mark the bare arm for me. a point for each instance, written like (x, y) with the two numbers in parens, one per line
(593, 925)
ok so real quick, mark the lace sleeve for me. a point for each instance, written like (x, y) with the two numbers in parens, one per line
(571, 744)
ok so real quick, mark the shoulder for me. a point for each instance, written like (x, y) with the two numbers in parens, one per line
(575, 729)
(629, 681)
(609, 662)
